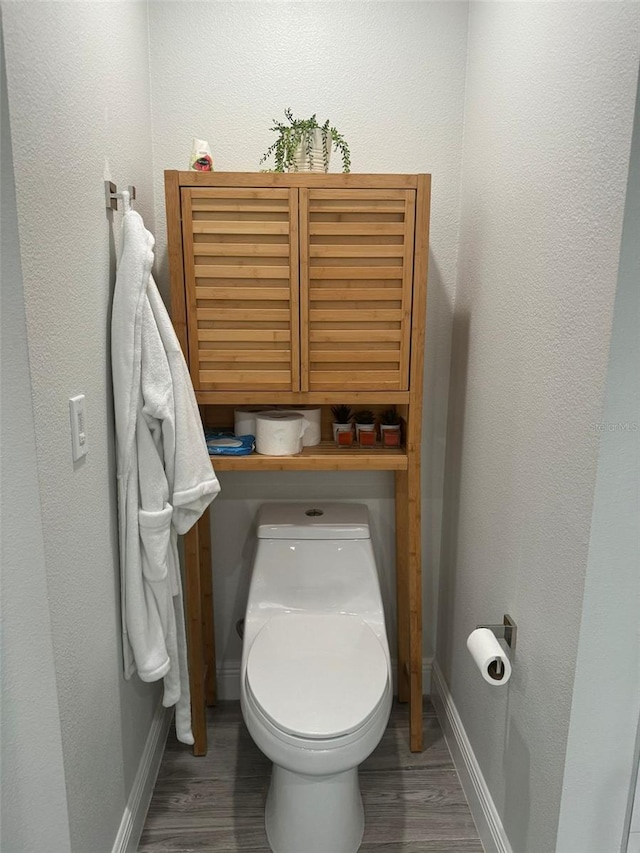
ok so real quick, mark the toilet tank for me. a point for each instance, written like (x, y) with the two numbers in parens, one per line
(314, 558)
(313, 521)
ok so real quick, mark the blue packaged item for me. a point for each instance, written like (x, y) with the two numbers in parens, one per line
(225, 443)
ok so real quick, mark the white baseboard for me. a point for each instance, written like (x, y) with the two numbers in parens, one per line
(229, 679)
(484, 811)
(427, 664)
(135, 811)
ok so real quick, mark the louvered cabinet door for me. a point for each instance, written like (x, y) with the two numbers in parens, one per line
(356, 268)
(241, 273)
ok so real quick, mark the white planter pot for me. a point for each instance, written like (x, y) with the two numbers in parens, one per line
(364, 428)
(310, 158)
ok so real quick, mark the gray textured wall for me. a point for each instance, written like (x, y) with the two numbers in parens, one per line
(600, 749)
(32, 767)
(78, 85)
(548, 118)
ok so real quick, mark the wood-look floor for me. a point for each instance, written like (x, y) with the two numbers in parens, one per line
(413, 802)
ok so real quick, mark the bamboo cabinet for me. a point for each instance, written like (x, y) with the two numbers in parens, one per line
(304, 288)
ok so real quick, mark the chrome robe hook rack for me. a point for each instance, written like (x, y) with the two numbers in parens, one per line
(112, 195)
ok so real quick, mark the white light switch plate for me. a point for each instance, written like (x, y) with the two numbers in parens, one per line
(79, 443)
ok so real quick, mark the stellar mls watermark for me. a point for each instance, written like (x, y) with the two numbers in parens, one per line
(615, 426)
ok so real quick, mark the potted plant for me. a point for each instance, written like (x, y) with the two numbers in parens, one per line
(303, 145)
(365, 422)
(390, 422)
(342, 428)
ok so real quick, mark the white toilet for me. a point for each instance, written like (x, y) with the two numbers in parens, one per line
(316, 686)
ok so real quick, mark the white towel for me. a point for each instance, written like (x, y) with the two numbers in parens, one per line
(165, 476)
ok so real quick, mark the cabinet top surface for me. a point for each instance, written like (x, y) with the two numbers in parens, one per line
(293, 179)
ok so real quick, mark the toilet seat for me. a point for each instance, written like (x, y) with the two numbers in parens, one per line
(317, 676)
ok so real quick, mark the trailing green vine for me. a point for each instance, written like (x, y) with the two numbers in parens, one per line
(299, 132)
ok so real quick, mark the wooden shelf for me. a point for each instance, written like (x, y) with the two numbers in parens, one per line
(311, 398)
(323, 457)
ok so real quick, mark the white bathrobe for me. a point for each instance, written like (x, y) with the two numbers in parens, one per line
(165, 477)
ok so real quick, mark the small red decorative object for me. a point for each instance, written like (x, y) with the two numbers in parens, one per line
(391, 437)
(344, 437)
(367, 438)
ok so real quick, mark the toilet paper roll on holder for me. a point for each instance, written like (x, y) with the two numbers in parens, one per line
(508, 631)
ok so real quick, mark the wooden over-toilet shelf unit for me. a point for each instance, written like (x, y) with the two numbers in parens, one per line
(304, 288)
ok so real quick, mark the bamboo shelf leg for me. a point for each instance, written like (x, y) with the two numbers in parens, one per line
(415, 606)
(206, 583)
(195, 639)
(402, 587)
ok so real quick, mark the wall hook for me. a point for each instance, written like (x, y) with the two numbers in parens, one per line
(112, 195)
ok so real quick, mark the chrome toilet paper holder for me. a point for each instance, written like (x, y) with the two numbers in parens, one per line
(508, 631)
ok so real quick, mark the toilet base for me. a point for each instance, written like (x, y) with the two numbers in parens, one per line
(314, 814)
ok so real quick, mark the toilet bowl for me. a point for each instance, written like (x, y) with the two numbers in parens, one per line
(316, 687)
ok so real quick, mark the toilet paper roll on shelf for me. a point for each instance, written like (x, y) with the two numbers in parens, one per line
(313, 418)
(244, 419)
(279, 433)
(489, 656)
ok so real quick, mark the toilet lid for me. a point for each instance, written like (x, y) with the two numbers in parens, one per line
(317, 676)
